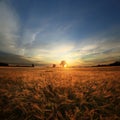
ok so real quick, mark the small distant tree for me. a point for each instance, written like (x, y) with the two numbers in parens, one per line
(63, 62)
(33, 65)
(54, 65)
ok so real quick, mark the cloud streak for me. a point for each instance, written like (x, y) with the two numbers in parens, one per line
(95, 50)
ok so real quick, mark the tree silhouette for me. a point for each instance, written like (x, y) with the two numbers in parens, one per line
(54, 65)
(33, 65)
(63, 63)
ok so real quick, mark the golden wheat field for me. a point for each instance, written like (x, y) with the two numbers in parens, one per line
(60, 93)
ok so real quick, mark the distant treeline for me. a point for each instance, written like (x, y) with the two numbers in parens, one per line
(17, 65)
(117, 63)
(4, 64)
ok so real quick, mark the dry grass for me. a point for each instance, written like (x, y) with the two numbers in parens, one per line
(60, 94)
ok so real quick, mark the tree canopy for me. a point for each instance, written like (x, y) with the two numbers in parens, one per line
(63, 63)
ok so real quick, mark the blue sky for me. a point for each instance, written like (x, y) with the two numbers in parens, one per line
(82, 32)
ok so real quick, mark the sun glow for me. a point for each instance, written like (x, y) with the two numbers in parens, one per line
(65, 65)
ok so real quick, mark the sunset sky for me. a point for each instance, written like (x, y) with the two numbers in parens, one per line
(82, 32)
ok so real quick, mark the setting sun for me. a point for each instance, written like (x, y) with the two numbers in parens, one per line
(65, 65)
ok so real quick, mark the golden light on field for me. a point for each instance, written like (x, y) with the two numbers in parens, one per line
(60, 89)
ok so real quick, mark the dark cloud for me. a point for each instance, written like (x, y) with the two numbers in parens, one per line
(12, 58)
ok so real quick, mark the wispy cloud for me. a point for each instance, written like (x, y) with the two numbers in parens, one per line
(53, 45)
(98, 49)
(46, 40)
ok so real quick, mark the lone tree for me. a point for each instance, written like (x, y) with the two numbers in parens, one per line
(63, 63)
(33, 65)
(54, 65)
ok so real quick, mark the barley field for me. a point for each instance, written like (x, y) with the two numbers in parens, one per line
(91, 93)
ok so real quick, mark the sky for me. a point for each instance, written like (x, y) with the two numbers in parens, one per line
(82, 32)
